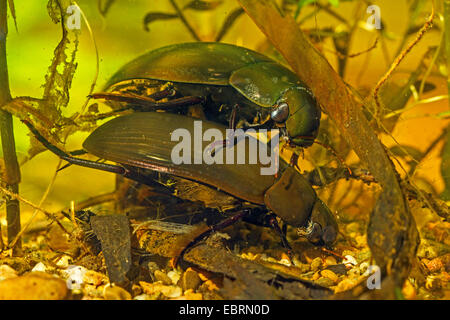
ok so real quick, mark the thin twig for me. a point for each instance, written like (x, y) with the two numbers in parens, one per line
(49, 215)
(12, 169)
(96, 200)
(447, 39)
(430, 67)
(398, 60)
(353, 55)
(43, 198)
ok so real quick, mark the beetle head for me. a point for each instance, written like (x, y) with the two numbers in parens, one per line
(299, 113)
(322, 229)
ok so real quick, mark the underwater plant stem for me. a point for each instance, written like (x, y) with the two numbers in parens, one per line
(447, 40)
(392, 234)
(12, 170)
(428, 24)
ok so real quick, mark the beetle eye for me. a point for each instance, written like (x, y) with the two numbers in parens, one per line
(280, 113)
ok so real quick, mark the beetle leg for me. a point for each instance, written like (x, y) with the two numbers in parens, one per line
(127, 173)
(142, 103)
(275, 226)
(229, 141)
(165, 93)
(233, 118)
(219, 226)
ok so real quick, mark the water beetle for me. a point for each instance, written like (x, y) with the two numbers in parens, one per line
(143, 141)
(224, 76)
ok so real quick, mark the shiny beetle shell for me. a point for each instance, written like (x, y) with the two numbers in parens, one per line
(255, 80)
(144, 140)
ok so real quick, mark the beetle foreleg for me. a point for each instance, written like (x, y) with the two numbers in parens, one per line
(274, 224)
(212, 229)
(230, 140)
(175, 103)
(271, 222)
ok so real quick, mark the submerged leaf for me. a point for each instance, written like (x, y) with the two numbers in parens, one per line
(104, 8)
(229, 21)
(201, 5)
(403, 151)
(58, 80)
(445, 166)
(13, 11)
(155, 16)
(53, 9)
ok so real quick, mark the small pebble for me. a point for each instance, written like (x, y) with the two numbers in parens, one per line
(136, 290)
(158, 287)
(6, 272)
(152, 266)
(74, 275)
(249, 256)
(63, 262)
(433, 283)
(303, 267)
(190, 280)
(330, 260)
(435, 265)
(409, 292)
(164, 278)
(330, 275)
(349, 261)
(210, 285)
(94, 278)
(116, 293)
(40, 267)
(33, 286)
(348, 253)
(191, 295)
(325, 282)
(174, 276)
(355, 271)
(345, 285)
(285, 262)
(316, 264)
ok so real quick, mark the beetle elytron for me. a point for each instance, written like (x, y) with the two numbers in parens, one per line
(221, 76)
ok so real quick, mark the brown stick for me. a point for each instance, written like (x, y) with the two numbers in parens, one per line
(447, 39)
(397, 61)
(394, 250)
(12, 170)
